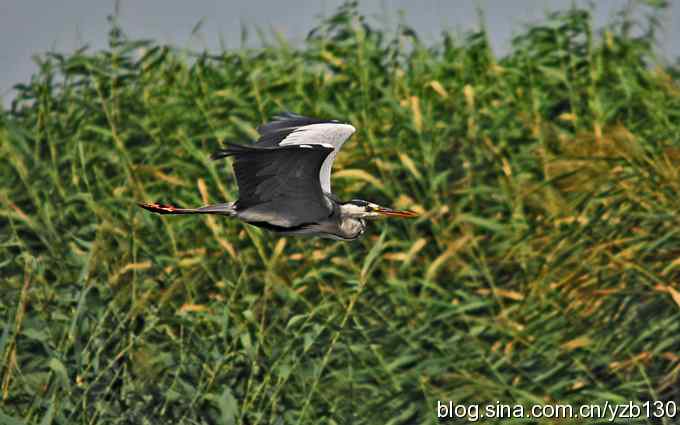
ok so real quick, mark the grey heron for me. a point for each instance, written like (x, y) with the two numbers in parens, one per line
(284, 182)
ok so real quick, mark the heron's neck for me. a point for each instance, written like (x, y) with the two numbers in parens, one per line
(351, 228)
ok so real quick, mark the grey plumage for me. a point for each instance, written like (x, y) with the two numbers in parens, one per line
(284, 182)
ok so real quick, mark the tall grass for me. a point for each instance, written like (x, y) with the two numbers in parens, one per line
(545, 268)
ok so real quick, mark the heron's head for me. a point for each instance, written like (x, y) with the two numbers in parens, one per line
(357, 208)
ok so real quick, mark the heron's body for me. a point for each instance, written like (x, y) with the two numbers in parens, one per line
(284, 182)
(335, 225)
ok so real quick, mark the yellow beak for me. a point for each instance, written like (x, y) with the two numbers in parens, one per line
(395, 213)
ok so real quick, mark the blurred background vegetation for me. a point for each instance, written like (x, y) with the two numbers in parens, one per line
(545, 268)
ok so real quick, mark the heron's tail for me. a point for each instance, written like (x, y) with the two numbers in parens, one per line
(223, 209)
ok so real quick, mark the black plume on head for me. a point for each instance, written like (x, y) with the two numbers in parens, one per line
(358, 202)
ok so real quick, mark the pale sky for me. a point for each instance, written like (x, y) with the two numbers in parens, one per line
(28, 27)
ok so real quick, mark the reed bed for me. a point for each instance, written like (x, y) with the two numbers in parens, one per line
(544, 269)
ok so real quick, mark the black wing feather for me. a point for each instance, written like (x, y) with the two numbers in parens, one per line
(273, 132)
(279, 182)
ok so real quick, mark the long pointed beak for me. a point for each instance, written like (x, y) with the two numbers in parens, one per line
(395, 213)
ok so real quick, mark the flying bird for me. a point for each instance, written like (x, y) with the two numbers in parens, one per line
(284, 182)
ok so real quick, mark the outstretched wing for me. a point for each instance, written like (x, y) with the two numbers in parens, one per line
(291, 129)
(279, 185)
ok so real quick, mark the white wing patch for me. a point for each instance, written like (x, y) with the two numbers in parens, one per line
(331, 135)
